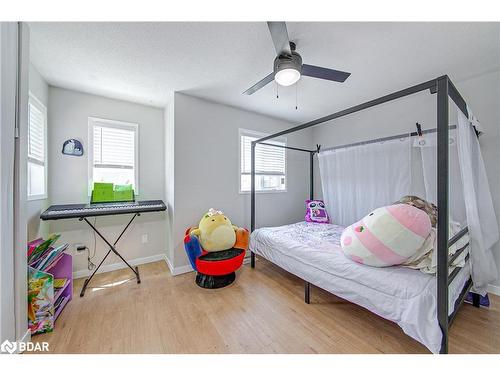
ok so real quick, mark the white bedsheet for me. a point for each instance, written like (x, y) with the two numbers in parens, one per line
(405, 296)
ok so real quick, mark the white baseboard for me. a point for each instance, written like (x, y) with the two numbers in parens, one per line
(170, 266)
(178, 270)
(187, 268)
(118, 266)
(493, 289)
(183, 269)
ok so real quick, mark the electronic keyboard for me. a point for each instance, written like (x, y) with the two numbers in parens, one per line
(69, 211)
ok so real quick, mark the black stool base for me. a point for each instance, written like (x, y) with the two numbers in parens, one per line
(214, 282)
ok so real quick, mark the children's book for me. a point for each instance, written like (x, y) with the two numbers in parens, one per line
(40, 301)
(59, 302)
(32, 245)
(42, 248)
(50, 257)
(59, 283)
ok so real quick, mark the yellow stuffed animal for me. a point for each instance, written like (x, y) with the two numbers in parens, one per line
(215, 231)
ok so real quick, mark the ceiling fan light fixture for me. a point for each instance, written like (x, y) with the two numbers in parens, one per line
(287, 77)
(288, 67)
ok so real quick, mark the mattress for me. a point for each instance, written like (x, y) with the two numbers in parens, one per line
(405, 296)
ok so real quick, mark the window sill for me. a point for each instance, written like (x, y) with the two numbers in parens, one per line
(264, 192)
(136, 195)
(36, 198)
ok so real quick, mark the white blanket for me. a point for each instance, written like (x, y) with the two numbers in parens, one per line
(425, 260)
(405, 296)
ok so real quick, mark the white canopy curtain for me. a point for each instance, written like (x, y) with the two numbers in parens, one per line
(481, 218)
(427, 144)
(358, 179)
(467, 179)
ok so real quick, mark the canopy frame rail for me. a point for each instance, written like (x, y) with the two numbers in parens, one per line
(253, 173)
(445, 90)
(385, 139)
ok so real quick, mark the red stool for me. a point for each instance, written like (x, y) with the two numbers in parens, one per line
(215, 269)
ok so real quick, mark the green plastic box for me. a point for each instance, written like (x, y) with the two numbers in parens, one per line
(123, 193)
(105, 192)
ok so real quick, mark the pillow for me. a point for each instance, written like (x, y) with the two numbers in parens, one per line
(387, 236)
(316, 212)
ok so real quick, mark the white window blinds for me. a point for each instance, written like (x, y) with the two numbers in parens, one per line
(114, 153)
(37, 141)
(36, 132)
(269, 160)
(114, 147)
(270, 163)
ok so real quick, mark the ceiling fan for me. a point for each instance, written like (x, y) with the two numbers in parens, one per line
(288, 67)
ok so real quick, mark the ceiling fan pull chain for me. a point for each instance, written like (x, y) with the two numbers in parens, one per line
(296, 95)
(277, 91)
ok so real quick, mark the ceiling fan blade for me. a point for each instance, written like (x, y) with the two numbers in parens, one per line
(279, 35)
(260, 84)
(324, 73)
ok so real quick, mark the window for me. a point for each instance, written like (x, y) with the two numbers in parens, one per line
(113, 157)
(270, 163)
(37, 149)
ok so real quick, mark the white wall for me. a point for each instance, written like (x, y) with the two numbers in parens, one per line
(207, 160)
(68, 113)
(37, 228)
(482, 93)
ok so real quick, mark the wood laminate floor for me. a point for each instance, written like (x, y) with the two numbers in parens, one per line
(261, 312)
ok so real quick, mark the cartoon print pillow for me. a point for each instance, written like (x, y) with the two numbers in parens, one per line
(387, 236)
(316, 212)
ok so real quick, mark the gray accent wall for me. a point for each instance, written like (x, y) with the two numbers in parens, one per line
(206, 169)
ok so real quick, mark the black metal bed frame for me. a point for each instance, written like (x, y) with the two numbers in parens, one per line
(445, 90)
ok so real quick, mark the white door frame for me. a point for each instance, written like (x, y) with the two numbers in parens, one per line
(14, 65)
(8, 83)
(20, 187)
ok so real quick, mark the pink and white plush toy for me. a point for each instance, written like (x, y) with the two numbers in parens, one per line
(387, 236)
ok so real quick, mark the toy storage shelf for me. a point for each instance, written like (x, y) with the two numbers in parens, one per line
(51, 301)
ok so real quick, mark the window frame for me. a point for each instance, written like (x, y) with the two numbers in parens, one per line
(37, 103)
(118, 124)
(259, 134)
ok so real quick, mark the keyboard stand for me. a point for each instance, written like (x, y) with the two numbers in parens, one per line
(112, 248)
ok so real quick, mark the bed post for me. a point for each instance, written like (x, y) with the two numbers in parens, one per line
(252, 201)
(311, 175)
(307, 285)
(307, 292)
(476, 300)
(442, 203)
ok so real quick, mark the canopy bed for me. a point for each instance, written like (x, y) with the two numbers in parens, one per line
(422, 304)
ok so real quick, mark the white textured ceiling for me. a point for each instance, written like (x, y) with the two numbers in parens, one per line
(146, 62)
